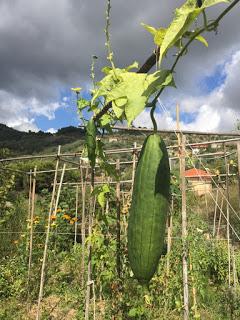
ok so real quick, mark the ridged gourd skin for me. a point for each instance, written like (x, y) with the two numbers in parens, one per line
(149, 209)
(91, 132)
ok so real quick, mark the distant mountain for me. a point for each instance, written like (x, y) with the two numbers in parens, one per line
(19, 142)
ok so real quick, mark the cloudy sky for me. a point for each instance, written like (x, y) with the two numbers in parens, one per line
(46, 48)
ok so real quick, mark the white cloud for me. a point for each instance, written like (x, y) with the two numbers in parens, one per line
(51, 130)
(215, 111)
(20, 113)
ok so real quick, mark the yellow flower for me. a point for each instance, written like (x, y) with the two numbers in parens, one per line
(75, 219)
(59, 210)
(77, 90)
(72, 221)
(53, 217)
(66, 216)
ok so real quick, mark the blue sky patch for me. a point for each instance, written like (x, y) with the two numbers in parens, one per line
(215, 80)
(64, 117)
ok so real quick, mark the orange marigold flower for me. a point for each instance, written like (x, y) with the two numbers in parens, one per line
(75, 219)
(66, 216)
(53, 217)
(72, 221)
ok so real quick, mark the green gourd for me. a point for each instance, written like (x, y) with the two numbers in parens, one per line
(91, 132)
(149, 209)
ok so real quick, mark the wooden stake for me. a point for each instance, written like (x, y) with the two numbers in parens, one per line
(235, 277)
(206, 204)
(169, 230)
(228, 217)
(89, 270)
(32, 206)
(83, 225)
(169, 238)
(76, 218)
(178, 124)
(133, 165)
(59, 190)
(184, 231)
(215, 213)
(29, 206)
(118, 210)
(220, 217)
(194, 291)
(40, 295)
(238, 155)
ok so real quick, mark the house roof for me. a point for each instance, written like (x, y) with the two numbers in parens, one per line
(197, 173)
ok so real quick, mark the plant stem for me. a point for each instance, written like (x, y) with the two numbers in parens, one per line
(152, 118)
(151, 60)
(108, 43)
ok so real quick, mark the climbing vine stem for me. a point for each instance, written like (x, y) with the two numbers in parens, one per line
(107, 33)
(153, 118)
(210, 26)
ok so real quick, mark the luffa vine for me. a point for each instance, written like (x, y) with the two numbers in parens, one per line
(122, 94)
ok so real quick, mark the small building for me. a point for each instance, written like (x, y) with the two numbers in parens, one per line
(199, 180)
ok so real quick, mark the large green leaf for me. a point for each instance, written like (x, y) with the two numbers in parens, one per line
(184, 17)
(101, 193)
(157, 80)
(132, 87)
(137, 89)
(130, 92)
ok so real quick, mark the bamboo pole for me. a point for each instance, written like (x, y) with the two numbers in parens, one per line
(29, 205)
(40, 295)
(215, 213)
(169, 230)
(220, 217)
(76, 218)
(194, 290)
(59, 191)
(89, 269)
(228, 217)
(206, 204)
(238, 159)
(184, 230)
(31, 231)
(133, 164)
(118, 151)
(169, 238)
(118, 211)
(235, 277)
(230, 134)
(83, 222)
